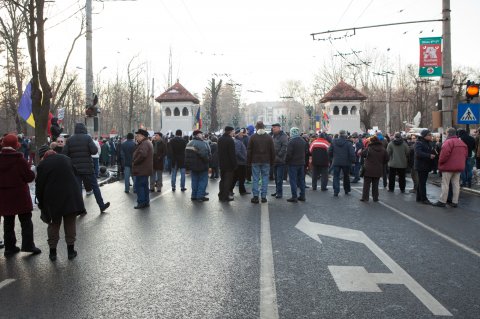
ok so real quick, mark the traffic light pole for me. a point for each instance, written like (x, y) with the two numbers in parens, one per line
(447, 92)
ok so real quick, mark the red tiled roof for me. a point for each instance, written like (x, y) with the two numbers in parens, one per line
(177, 93)
(344, 92)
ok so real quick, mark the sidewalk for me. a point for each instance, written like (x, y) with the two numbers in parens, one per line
(435, 179)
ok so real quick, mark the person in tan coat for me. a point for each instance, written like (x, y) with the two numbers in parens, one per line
(142, 168)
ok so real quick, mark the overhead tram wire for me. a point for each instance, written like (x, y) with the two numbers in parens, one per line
(67, 18)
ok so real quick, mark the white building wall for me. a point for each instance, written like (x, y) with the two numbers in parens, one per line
(184, 122)
(349, 122)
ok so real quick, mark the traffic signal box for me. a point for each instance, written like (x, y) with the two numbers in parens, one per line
(472, 90)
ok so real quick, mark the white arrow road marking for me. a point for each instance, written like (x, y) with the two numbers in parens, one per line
(268, 292)
(350, 278)
(6, 282)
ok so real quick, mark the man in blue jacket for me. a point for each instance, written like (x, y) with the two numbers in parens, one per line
(127, 149)
(342, 154)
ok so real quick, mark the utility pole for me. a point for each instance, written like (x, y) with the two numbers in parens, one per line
(387, 126)
(447, 92)
(88, 66)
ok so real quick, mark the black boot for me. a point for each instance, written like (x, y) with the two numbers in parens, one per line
(71, 252)
(53, 254)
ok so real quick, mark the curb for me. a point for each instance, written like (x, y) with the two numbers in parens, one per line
(463, 189)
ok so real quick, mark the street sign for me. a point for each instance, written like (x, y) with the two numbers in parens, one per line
(430, 57)
(358, 279)
(468, 113)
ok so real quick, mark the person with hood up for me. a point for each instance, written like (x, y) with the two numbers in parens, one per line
(398, 152)
(451, 163)
(375, 157)
(15, 174)
(295, 159)
(55, 175)
(342, 154)
(319, 152)
(197, 154)
(80, 148)
(424, 156)
(260, 156)
(280, 141)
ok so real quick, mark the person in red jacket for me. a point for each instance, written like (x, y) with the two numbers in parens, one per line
(451, 163)
(15, 199)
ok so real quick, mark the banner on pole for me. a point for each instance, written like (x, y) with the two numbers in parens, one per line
(430, 57)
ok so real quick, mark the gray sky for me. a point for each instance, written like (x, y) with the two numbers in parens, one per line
(260, 43)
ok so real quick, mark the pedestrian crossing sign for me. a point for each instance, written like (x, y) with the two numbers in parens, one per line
(468, 114)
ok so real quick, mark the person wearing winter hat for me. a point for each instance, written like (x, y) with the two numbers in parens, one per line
(197, 154)
(15, 199)
(227, 162)
(295, 159)
(423, 164)
(342, 153)
(260, 156)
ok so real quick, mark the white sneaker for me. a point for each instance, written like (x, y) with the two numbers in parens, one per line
(89, 193)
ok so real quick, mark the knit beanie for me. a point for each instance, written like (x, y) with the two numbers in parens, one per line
(294, 132)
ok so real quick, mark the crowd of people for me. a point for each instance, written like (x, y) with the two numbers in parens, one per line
(239, 157)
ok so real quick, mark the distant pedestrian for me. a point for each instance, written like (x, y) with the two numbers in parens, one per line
(411, 140)
(213, 163)
(398, 152)
(55, 129)
(142, 168)
(159, 153)
(280, 141)
(241, 170)
(375, 157)
(295, 160)
(451, 163)
(177, 146)
(424, 155)
(58, 198)
(127, 149)
(105, 153)
(197, 154)
(15, 174)
(319, 152)
(467, 174)
(80, 148)
(260, 156)
(227, 162)
(358, 148)
(477, 149)
(96, 157)
(342, 154)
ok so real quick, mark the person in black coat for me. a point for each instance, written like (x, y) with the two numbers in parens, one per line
(467, 174)
(424, 156)
(55, 129)
(227, 162)
(177, 149)
(58, 197)
(80, 148)
(214, 158)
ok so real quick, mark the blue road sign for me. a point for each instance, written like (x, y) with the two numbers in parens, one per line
(468, 114)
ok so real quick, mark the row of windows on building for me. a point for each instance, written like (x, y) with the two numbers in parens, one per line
(176, 111)
(353, 110)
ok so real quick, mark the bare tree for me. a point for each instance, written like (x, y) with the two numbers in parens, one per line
(214, 90)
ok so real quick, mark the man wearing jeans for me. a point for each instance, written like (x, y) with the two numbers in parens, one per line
(280, 141)
(126, 154)
(80, 148)
(343, 155)
(295, 159)
(260, 155)
(142, 168)
(177, 147)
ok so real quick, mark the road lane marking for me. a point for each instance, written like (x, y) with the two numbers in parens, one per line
(268, 292)
(6, 282)
(431, 229)
(358, 279)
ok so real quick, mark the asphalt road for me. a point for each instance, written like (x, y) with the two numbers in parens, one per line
(324, 258)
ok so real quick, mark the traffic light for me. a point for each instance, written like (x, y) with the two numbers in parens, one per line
(472, 90)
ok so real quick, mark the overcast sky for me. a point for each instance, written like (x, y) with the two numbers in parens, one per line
(260, 43)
